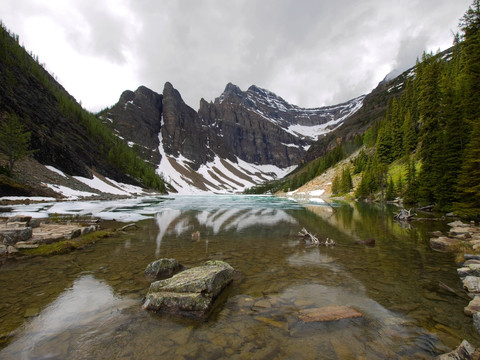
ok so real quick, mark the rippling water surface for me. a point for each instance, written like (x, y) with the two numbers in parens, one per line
(87, 304)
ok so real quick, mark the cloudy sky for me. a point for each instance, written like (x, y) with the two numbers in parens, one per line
(310, 52)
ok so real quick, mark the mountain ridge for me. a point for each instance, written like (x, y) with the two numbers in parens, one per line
(255, 128)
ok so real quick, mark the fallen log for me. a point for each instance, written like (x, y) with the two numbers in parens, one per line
(123, 228)
(313, 238)
(426, 208)
(404, 215)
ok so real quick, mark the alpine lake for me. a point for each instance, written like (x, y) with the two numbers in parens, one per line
(87, 304)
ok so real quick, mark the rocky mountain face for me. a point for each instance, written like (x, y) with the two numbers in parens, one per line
(239, 140)
(138, 115)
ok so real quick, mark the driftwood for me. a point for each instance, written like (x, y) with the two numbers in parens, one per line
(305, 234)
(123, 228)
(426, 208)
(453, 291)
(404, 215)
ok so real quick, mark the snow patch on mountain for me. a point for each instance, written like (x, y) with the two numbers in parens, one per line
(220, 176)
(315, 131)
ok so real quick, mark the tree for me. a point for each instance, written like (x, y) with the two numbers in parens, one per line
(346, 183)
(336, 185)
(410, 195)
(391, 193)
(14, 140)
(469, 183)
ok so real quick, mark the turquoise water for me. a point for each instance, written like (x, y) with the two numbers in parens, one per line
(87, 304)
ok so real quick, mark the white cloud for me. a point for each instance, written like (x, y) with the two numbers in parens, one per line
(309, 52)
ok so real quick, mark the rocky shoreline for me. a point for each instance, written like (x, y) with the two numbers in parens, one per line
(464, 240)
(22, 232)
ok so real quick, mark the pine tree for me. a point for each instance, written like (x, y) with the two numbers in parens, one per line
(346, 183)
(409, 134)
(14, 140)
(384, 144)
(469, 180)
(390, 194)
(396, 130)
(410, 195)
(336, 185)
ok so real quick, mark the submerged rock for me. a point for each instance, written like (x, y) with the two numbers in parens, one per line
(162, 269)
(191, 292)
(444, 244)
(328, 313)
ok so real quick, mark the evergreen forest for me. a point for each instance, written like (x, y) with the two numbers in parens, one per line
(433, 130)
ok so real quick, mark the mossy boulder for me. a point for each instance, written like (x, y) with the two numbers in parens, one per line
(162, 269)
(191, 292)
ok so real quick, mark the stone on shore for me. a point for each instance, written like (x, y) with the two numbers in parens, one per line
(463, 352)
(470, 270)
(25, 245)
(328, 313)
(162, 269)
(444, 244)
(13, 235)
(472, 284)
(472, 307)
(476, 321)
(191, 292)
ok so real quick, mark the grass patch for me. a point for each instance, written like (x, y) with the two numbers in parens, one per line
(66, 246)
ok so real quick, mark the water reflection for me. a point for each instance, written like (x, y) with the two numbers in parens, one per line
(178, 223)
(394, 285)
(83, 307)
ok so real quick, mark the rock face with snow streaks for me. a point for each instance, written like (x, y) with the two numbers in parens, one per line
(136, 118)
(239, 140)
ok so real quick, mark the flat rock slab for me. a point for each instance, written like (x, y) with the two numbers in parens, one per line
(191, 292)
(444, 243)
(49, 233)
(328, 313)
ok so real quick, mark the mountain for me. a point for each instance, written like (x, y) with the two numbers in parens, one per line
(237, 141)
(64, 136)
(241, 139)
(372, 110)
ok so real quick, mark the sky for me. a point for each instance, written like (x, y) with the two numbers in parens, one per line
(310, 52)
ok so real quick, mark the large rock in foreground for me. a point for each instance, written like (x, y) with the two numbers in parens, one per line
(191, 292)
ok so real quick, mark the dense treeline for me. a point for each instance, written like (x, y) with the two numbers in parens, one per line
(434, 129)
(113, 149)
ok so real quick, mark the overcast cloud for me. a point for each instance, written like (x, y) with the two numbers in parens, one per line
(310, 52)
